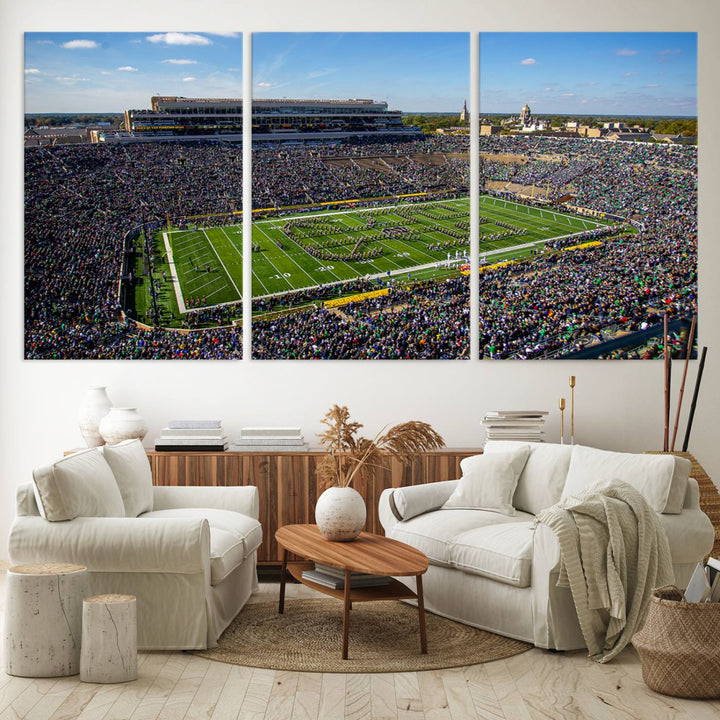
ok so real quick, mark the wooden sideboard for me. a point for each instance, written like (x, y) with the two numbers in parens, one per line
(286, 482)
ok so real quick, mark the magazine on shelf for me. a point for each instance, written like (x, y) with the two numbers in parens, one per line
(359, 580)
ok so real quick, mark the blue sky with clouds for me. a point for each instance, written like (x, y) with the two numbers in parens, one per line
(570, 73)
(112, 72)
(650, 73)
(412, 71)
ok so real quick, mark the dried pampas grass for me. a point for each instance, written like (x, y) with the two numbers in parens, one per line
(354, 457)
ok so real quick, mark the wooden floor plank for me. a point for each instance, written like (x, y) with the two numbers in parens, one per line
(382, 696)
(358, 700)
(233, 693)
(332, 697)
(432, 694)
(180, 686)
(407, 696)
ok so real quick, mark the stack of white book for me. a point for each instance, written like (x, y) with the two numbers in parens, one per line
(192, 435)
(333, 577)
(270, 439)
(520, 425)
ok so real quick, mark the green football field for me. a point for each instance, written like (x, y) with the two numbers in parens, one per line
(201, 266)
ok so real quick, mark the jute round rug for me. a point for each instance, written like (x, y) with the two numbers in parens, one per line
(384, 637)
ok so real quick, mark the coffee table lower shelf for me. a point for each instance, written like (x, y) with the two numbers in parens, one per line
(394, 590)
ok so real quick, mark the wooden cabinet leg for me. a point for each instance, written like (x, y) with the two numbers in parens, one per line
(346, 615)
(283, 572)
(421, 615)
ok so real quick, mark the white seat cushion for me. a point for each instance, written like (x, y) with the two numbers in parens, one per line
(435, 533)
(542, 480)
(227, 551)
(501, 552)
(233, 536)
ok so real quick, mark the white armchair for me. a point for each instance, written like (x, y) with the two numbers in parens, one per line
(190, 559)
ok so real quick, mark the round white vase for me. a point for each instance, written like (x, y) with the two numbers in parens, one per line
(340, 513)
(96, 404)
(122, 424)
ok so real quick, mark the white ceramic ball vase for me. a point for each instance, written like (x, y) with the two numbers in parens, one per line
(122, 424)
(340, 514)
(96, 404)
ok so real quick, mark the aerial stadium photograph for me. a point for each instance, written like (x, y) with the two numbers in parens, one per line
(360, 214)
(361, 227)
(111, 169)
(605, 128)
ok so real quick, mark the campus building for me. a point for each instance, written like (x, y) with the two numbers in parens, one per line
(271, 119)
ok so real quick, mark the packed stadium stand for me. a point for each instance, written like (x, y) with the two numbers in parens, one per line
(82, 201)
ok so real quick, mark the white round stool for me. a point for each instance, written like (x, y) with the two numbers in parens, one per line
(109, 639)
(43, 619)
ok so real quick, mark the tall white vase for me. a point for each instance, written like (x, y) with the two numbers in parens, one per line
(122, 424)
(96, 404)
(340, 513)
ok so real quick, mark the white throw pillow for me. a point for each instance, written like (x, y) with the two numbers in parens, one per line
(131, 468)
(660, 479)
(488, 482)
(79, 485)
(542, 480)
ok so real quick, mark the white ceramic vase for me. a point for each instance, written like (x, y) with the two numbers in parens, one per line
(122, 424)
(96, 404)
(340, 513)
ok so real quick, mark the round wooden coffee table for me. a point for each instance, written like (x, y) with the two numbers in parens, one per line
(368, 553)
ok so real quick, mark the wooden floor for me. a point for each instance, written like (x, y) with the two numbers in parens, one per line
(177, 686)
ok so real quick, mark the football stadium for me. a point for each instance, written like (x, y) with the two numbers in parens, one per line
(360, 247)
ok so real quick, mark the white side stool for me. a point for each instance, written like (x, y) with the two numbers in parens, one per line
(109, 639)
(43, 619)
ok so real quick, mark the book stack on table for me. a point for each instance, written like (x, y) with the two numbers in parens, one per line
(334, 577)
(519, 425)
(192, 435)
(270, 439)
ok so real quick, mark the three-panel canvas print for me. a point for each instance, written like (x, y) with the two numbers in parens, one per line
(575, 238)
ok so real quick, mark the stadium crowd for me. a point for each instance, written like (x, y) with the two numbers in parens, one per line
(80, 201)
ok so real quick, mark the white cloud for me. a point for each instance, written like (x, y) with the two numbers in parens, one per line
(225, 34)
(81, 45)
(626, 52)
(628, 74)
(176, 38)
(233, 69)
(568, 94)
(127, 68)
(669, 52)
(528, 61)
(189, 79)
(32, 71)
(172, 61)
(66, 79)
(652, 85)
(321, 73)
(263, 85)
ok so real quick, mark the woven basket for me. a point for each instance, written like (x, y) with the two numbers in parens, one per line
(680, 646)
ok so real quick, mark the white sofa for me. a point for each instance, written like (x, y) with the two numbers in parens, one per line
(492, 569)
(187, 553)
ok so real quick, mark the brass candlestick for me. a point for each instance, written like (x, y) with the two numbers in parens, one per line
(561, 405)
(572, 409)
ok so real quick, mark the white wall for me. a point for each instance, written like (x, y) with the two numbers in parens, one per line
(618, 404)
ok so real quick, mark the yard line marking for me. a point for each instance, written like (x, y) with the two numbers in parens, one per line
(223, 266)
(310, 277)
(173, 274)
(232, 243)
